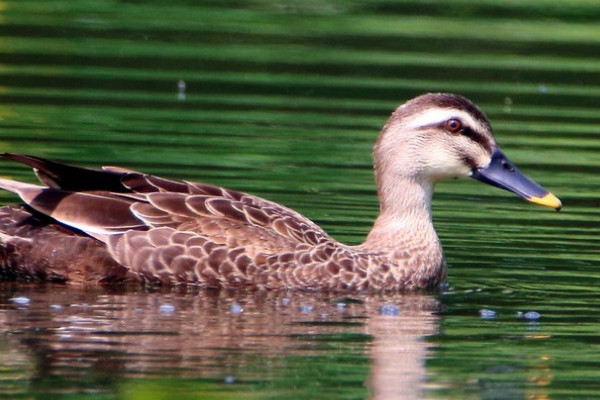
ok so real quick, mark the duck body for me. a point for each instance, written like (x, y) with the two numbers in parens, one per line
(115, 225)
(157, 231)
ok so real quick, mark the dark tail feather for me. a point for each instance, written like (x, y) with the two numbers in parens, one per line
(68, 177)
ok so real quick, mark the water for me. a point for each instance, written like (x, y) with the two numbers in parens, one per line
(284, 100)
(197, 343)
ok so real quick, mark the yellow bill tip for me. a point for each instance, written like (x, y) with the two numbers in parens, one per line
(548, 200)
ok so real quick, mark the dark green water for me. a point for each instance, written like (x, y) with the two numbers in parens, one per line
(284, 99)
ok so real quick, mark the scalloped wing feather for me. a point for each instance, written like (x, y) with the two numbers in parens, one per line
(148, 202)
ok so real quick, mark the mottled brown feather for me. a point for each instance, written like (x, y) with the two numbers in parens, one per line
(168, 232)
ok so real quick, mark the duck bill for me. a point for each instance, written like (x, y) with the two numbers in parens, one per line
(502, 173)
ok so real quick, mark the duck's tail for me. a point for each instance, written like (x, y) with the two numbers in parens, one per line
(57, 175)
(17, 186)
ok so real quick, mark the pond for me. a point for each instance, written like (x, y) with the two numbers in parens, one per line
(284, 99)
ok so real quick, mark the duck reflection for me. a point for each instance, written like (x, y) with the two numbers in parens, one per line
(370, 346)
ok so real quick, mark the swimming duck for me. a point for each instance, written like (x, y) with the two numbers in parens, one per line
(116, 225)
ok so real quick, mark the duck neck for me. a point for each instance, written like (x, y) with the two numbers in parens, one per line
(405, 221)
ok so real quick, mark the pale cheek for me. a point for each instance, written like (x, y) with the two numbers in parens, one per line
(441, 164)
(446, 170)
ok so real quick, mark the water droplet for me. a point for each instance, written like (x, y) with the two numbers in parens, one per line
(306, 308)
(236, 308)
(181, 86)
(20, 300)
(531, 315)
(487, 314)
(508, 105)
(166, 308)
(390, 309)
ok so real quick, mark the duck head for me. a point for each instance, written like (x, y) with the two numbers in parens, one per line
(438, 136)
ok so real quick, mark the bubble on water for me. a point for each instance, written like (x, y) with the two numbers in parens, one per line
(532, 315)
(181, 86)
(306, 308)
(22, 301)
(235, 308)
(487, 314)
(390, 309)
(166, 308)
(508, 105)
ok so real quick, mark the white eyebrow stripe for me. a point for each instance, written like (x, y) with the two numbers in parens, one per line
(437, 116)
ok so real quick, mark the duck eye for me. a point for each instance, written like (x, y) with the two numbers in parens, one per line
(453, 125)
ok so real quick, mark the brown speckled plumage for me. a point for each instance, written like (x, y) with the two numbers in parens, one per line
(116, 225)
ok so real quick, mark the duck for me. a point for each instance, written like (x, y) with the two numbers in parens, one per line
(117, 226)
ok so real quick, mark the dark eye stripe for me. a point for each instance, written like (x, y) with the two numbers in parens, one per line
(479, 138)
(469, 161)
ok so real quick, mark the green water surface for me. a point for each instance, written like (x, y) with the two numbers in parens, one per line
(284, 99)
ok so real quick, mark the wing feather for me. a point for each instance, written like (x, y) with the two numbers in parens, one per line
(169, 230)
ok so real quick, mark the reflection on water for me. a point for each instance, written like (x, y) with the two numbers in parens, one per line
(233, 340)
